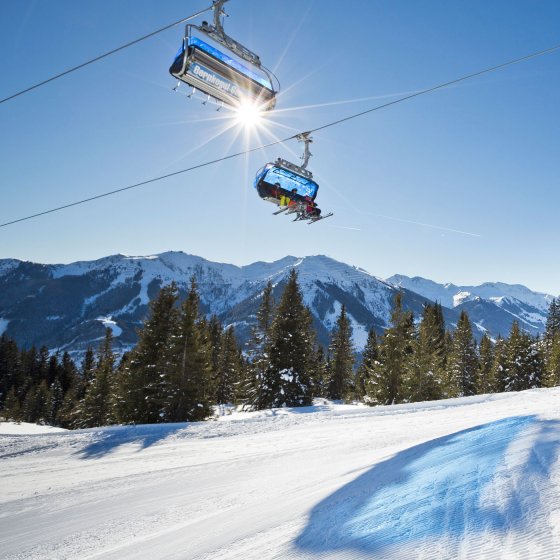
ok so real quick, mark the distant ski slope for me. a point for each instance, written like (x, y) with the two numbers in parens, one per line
(466, 478)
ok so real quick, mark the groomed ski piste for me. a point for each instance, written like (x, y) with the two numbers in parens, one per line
(476, 477)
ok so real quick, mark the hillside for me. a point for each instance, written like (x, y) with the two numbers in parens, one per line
(67, 307)
(468, 478)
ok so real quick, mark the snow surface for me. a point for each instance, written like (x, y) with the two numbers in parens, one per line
(3, 325)
(466, 478)
(108, 323)
(24, 428)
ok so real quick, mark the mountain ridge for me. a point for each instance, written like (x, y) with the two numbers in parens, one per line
(68, 306)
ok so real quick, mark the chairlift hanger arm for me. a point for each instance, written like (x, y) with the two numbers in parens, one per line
(306, 139)
(217, 33)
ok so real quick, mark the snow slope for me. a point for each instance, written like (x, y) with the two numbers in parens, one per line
(468, 478)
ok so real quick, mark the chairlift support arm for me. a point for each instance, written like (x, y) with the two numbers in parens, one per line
(306, 139)
(217, 33)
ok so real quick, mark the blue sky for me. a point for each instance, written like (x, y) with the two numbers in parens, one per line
(461, 185)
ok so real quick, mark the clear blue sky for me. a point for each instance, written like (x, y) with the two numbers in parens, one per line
(480, 158)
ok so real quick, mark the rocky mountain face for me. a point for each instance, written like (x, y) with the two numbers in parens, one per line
(68, 307)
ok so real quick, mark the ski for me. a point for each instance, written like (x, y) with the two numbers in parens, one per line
(282, 209)
(313, 220)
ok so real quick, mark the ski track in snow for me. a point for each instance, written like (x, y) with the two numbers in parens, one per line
(459, 479)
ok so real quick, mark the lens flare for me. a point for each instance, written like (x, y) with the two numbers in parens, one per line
(249, 114)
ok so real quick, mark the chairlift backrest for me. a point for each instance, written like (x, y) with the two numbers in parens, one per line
(288, 179)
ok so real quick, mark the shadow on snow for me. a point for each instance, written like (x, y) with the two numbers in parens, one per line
(107, 440)
(464, 482)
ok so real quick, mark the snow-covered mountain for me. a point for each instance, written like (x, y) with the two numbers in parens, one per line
(67, 307)
(492, 306)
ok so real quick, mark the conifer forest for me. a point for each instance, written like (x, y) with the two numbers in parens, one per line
(186, 367)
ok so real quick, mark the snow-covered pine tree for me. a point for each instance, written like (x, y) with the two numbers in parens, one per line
(370, 360)
(535, 372)
(141, 392)
(342, 384)
(188, 383)
(463, 360)
(287, 379)
(523, 364)
(395, 353)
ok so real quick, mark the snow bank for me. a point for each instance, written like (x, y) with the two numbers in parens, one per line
(23, 428)
(466, 478)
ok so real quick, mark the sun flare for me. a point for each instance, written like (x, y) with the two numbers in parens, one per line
(249, 114)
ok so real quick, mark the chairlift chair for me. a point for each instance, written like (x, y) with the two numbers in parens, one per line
(217, 65)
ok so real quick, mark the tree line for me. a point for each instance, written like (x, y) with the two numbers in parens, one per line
(185, 365)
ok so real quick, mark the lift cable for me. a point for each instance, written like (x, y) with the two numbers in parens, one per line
(440, 86)
(333, 123)
(70, 70)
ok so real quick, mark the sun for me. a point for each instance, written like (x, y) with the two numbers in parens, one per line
(249, 114)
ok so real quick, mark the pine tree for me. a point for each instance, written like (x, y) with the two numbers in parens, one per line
(342, 383)
(485, 381)
(552, 344)
(287, 379)
(318, 369)
(370, 360)
(523, 363)
(251, 386)
(55, 402)
(553, 364)
(12, 407)
(11, 369)
(498, 375)
(552, 329)
(141, 393)
(97, 407)
(535, 372)
(463, 360)
(229, 368)
(36, 404)
(395, 354)
(86, 373)
(425, 375)
(188, 381)
(213, 338)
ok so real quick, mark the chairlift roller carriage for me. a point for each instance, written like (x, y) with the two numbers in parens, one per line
(215, 64)
(291, 186)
